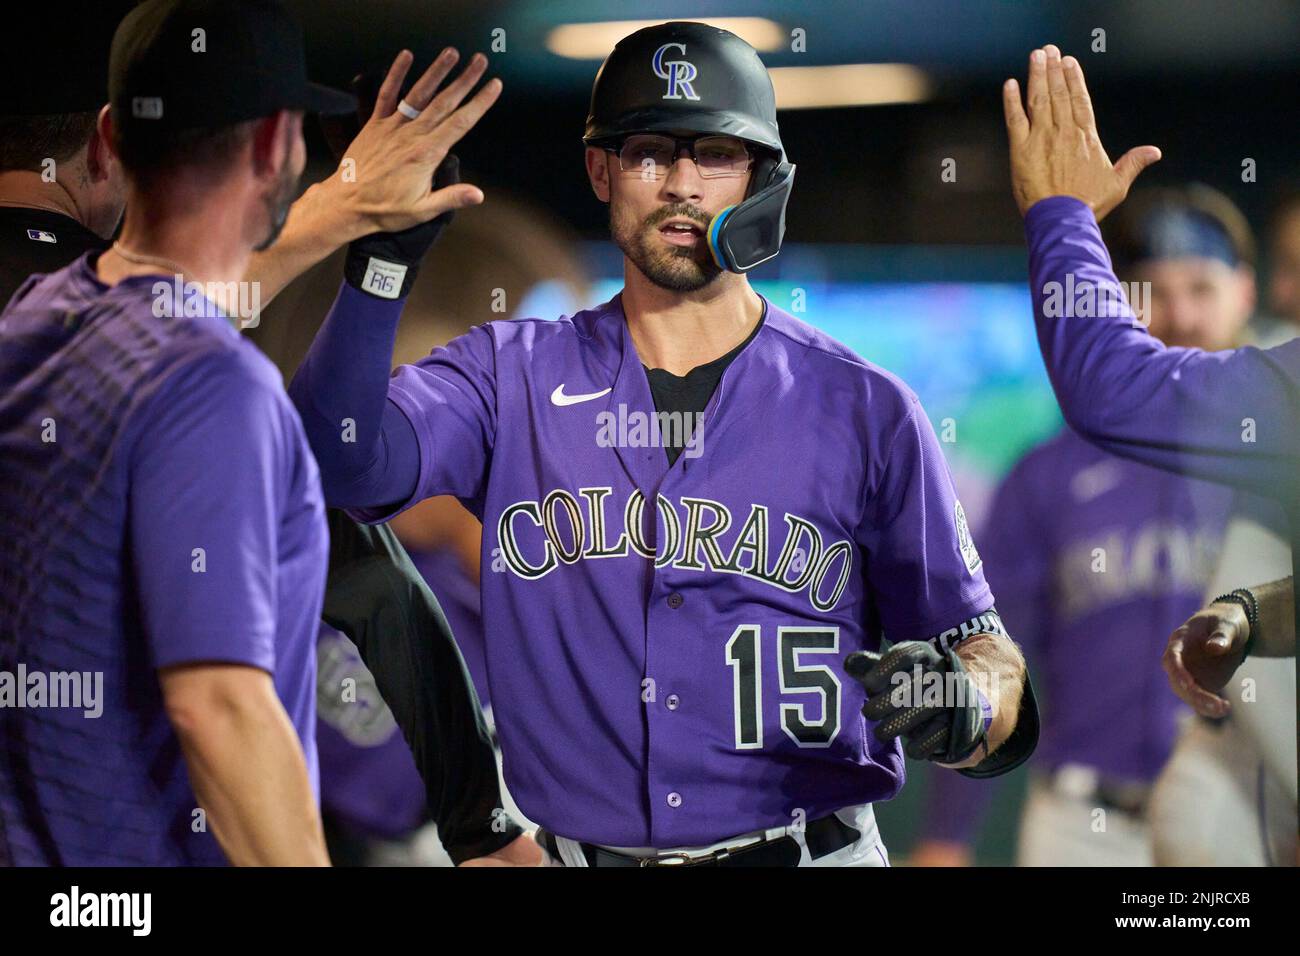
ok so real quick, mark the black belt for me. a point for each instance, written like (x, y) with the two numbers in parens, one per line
(823, 836)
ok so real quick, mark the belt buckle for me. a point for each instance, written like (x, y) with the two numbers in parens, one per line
(672, 859)
(685, 859)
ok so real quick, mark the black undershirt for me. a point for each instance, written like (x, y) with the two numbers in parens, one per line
(689, 394)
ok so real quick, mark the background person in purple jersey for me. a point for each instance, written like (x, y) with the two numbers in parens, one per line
(1227, 795)
(666, 638)
(1229, 416)
(1096, 558)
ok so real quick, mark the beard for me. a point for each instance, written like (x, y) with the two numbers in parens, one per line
(677, 268)
(277, 202)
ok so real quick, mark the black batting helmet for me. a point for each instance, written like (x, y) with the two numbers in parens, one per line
(684, 77)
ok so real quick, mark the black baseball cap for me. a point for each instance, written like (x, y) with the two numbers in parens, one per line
(182, 64)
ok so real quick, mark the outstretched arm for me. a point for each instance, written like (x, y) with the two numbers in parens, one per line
(1226, 416)
(366, 447)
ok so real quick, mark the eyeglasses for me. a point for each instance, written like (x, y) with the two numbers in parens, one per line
(653, 155)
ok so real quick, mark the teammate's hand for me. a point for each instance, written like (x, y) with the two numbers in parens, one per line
(522, 851)
(1202, 655)
(385, 174)
(1055, 150)
(947, 727)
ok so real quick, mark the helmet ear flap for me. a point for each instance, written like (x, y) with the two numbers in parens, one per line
(748, 234)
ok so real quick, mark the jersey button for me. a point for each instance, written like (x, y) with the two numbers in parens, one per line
(675, 600)
(671, 701)
(674, 799)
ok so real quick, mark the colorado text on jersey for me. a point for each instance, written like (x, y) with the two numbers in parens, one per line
(689, 541)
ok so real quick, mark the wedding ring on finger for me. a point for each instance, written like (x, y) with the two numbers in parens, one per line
(407, 110)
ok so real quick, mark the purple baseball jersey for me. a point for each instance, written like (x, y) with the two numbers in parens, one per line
(664, 644)
(1095, 559)
(368, 778)
(160, 507)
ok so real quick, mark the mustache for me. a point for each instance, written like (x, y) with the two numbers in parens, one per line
(689, 210)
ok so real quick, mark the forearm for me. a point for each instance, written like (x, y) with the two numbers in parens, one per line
(1225, 416)
(364, 446)
(246, 766)
(1276, 634)
(998, 668)
(318, 225)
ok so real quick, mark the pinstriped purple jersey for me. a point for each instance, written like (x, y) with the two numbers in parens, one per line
(158, 506)
(664, 645)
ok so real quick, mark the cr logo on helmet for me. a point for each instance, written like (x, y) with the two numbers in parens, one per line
(679, 73)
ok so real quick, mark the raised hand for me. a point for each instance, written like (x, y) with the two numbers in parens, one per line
(1055, 149)
(385, 174)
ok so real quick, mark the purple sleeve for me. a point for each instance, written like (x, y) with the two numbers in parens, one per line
(208, 475)
(922, 566)
(449, 397)
(1225, 416)
(364, 445)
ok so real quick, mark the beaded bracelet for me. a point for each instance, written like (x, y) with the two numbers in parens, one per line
(1246, 599)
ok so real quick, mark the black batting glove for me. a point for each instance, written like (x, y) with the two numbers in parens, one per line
(385, 264)
(940, 716)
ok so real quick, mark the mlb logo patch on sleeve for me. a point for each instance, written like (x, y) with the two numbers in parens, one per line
(39, 235)
(966, 543)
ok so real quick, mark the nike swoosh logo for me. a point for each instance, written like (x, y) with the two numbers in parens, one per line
(559, 398)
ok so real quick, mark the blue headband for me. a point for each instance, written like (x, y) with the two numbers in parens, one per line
(1174, 232)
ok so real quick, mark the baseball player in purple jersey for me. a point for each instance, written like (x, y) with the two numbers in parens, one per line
(166, 530)
(1227, 416)
(682, 619)
(1096, 558)
(164, 545)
